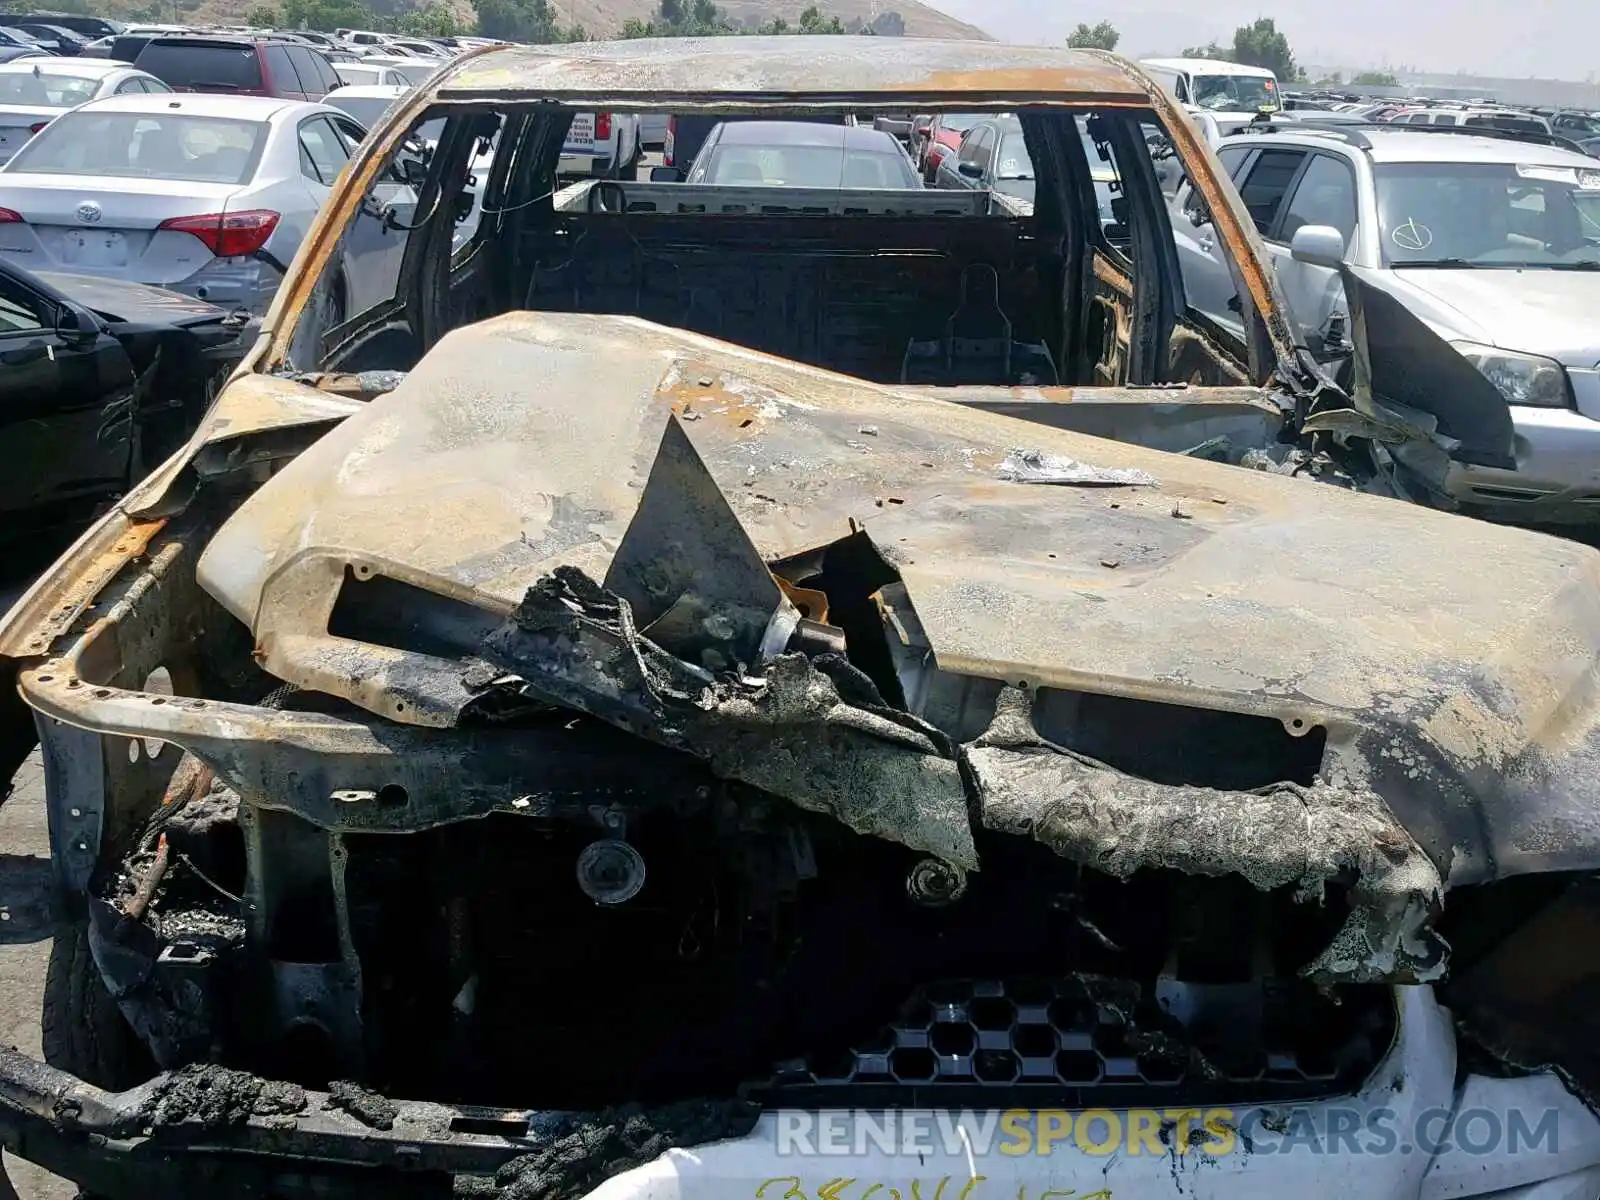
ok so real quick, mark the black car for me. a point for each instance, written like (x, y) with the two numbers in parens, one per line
(993, 156)
(100, 379)
(88, 27)
(54, 39)
(10, 35)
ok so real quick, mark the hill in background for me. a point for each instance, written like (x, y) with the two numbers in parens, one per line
(600, 18)
(606, 17)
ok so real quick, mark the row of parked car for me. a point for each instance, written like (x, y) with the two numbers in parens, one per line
(200, 167)
(155, 184)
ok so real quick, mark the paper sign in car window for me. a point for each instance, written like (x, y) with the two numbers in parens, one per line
(1568, 175)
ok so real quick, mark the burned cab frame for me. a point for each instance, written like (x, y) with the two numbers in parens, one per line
(581, 734)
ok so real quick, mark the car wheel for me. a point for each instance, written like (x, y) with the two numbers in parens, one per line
(84, 1031)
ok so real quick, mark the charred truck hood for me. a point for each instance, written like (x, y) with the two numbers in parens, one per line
(894, 612)
(623, 549)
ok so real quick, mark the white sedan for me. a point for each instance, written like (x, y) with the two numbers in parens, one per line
(35, 91)
(206, 195)
(415, 71)
(362, 74)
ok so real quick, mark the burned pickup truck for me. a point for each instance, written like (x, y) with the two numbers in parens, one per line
(691, 664)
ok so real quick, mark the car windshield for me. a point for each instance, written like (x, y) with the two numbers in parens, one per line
(415, 74)
(146, 146)
(366, 109)
(809, 167)
(958, 122)
(198, 65)
(1488, 215)
(36, 89)
(1235, 93)
(1509, 121)
(1584, 126)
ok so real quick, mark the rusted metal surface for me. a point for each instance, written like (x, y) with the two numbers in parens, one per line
(59, 597)
(1230, 219)
(714, 69)
(756, 73)
(139, 902)
(1234, 589)
(1175, 419)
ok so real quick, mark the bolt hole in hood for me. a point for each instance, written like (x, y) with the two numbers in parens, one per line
(642, 551)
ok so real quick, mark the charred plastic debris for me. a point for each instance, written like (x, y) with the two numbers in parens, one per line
(744, 869)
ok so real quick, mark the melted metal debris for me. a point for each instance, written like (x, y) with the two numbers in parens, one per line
(817, 733)
(1278, 836)
(368, 1107)
(213, 1097)
(375, 382)
(789, 730)
(1035, 466)
(588, 1151)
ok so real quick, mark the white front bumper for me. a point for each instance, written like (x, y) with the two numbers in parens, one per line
(1362, 1147)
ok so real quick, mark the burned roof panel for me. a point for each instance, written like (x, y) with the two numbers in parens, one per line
(710, 69)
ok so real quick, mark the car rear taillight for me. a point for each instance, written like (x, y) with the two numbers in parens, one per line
(670, 143)
(10, 216)
(37, 125)
(602, 126)
(228, 235)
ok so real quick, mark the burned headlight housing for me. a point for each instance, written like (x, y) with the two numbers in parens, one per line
(1521, 378)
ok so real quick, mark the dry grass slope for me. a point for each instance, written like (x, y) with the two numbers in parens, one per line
(603, 18)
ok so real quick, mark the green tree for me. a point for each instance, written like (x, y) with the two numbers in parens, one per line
(1375, 79)
(1260, 44)
(532, 21)
(681, 18)
(1103, 36)
(323, 15)
(812, 21)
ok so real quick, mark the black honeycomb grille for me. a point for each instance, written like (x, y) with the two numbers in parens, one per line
(1083, 1042)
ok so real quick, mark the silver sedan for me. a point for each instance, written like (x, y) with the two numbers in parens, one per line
(35, 91)
(206, 195)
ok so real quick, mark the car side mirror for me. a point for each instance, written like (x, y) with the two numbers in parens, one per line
(1198, 214)
(1317, 246)
(75, 326)
(970, 169)
(665, 175)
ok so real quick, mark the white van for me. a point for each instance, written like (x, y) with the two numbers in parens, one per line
(1232, 93)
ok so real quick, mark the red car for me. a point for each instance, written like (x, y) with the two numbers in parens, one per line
(944, 134)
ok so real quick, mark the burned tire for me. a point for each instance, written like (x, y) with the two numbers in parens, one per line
(84, 1031)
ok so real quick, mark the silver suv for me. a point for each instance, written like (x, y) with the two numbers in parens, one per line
(1493, 242)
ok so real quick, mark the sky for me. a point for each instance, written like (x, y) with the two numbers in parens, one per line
(1550, 39)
